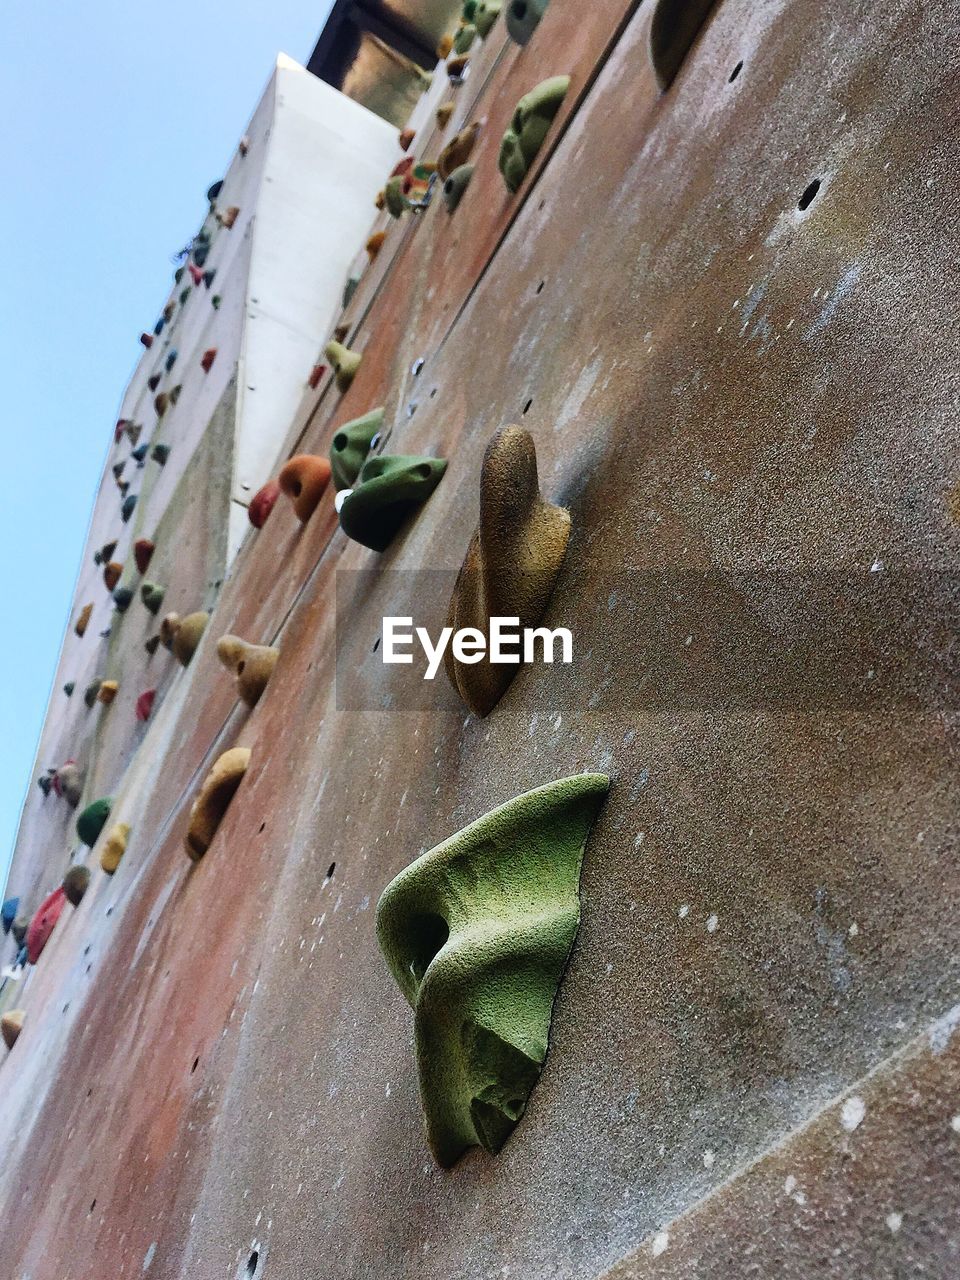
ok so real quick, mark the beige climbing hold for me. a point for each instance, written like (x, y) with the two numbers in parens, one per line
(107, 691)
(188, 635)
(114, 847)
(345, 363)
(444, 112)
(83, 619)
(458, 150)
(11, 1024)
(168, 629)
(252, 664)
(215, 795)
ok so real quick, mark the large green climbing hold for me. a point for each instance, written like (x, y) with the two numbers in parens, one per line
(488, 11)
(477, 933)
(464, 38)
(528, 128)
(351, 445)
(523, 18)
(389, 488)
(90, 823)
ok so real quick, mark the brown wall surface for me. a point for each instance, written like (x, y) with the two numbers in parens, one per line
(752, 1067)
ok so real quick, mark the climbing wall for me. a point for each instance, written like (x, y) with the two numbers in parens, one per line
(723, 309)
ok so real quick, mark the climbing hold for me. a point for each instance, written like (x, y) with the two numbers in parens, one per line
(152, 596)
(168, 629)
(456, 185)
(68, 782)
(119, 429)
(75, 883)
(90, 693)
(118, 469)
(188, 635)
(456, 69)
(153, 381)
(147, 340)
(444, 112)
(8, 913)
(477, 933)
(145, 702)
(469, 10)
(184, 295)
(340, 332)
(316, 373)
(464, 38)
(215, 301)
(458, 149)
(11, 1024)
(531, 121)
(158, 327)
(111, 574)
(523, 17)
(45, 782)
(114, 847)
(673, 29)
(196, 273)
(394, 199)
(303, 479)
(178, 275)
(123, 486)
(375, 244)
(19, 930)
(68, 688)
(133, 430)
(345, 363)
(207, 359)
(122, 598)
(349, 289)
(152, 645)
(350, 446)
(83, 619)
(389, 488)
(41, 926)
(171, 360)
(160, 453)
(406, 138)
(169, 311)
(107, 550)
(488, 11)
(140, 453)
(243, 146)
(90, 823)
(252, 664)
(208, 278)
(217, 791)
(160, 403)
(127, 506)
(261, 504)
(143, 549)
(175, 393)
(228, 218)
(107, 691)
(444, 48)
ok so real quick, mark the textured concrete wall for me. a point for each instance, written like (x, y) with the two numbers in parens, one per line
(753, 1066)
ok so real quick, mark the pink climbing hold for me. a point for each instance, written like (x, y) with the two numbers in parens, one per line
(41, 926)
(262, 503)
(196, 275)
(145, 704)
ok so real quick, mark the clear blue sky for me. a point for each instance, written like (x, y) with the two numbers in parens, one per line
(116, 119)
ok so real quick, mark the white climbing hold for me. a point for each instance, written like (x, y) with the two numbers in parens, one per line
(659, 1243)
(852, 1113)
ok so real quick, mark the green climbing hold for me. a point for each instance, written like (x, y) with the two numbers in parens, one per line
(528, 128)
(160, 453)
(90, 823)
(477, 933)
(215, 301)
(389, 488)
(523, 18)
(184, 294)
(349, 289)
(469, 11)
(351, 444)
(456, 185)
(464, 38)
(152, 596)
(488, 11)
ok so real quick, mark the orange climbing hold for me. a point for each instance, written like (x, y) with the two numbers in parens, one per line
(111, 574)
(83, 620)
(107, 692)
(375, 244)
(303, 479)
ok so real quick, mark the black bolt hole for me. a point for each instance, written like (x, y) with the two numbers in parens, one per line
(735, 72)
(93, 1205)
(196, 1063)
(376, 644)
(808, 197)
(527, 406)
(433, 393)
(541, 205)
(330, 870)
(540, 286)
(261, 828)
(252, 1263)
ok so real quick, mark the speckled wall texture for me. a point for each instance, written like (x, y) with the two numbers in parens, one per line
(753, 1066)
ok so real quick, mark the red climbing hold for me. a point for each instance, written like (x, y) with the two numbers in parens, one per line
(41, 926)
(196, 275)
(147, 340)
(316, 373)
(262, 502)
(145, 704)
(119, 429)
(142, 551)
(207, 359)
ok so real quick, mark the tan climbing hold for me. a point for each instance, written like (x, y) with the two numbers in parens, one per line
(375, 244)
(303, 479)
(252, 664)
(107, 691)
(444, 112)
(83, 619)
(444, 49)
(114, 847)
(111, 574)
(215, 795)
(345, 363)
(406, 138)
(458, 150)
(168, 629)
(188, 635)
(75, 883)
(511, 565)
(11, 1024)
